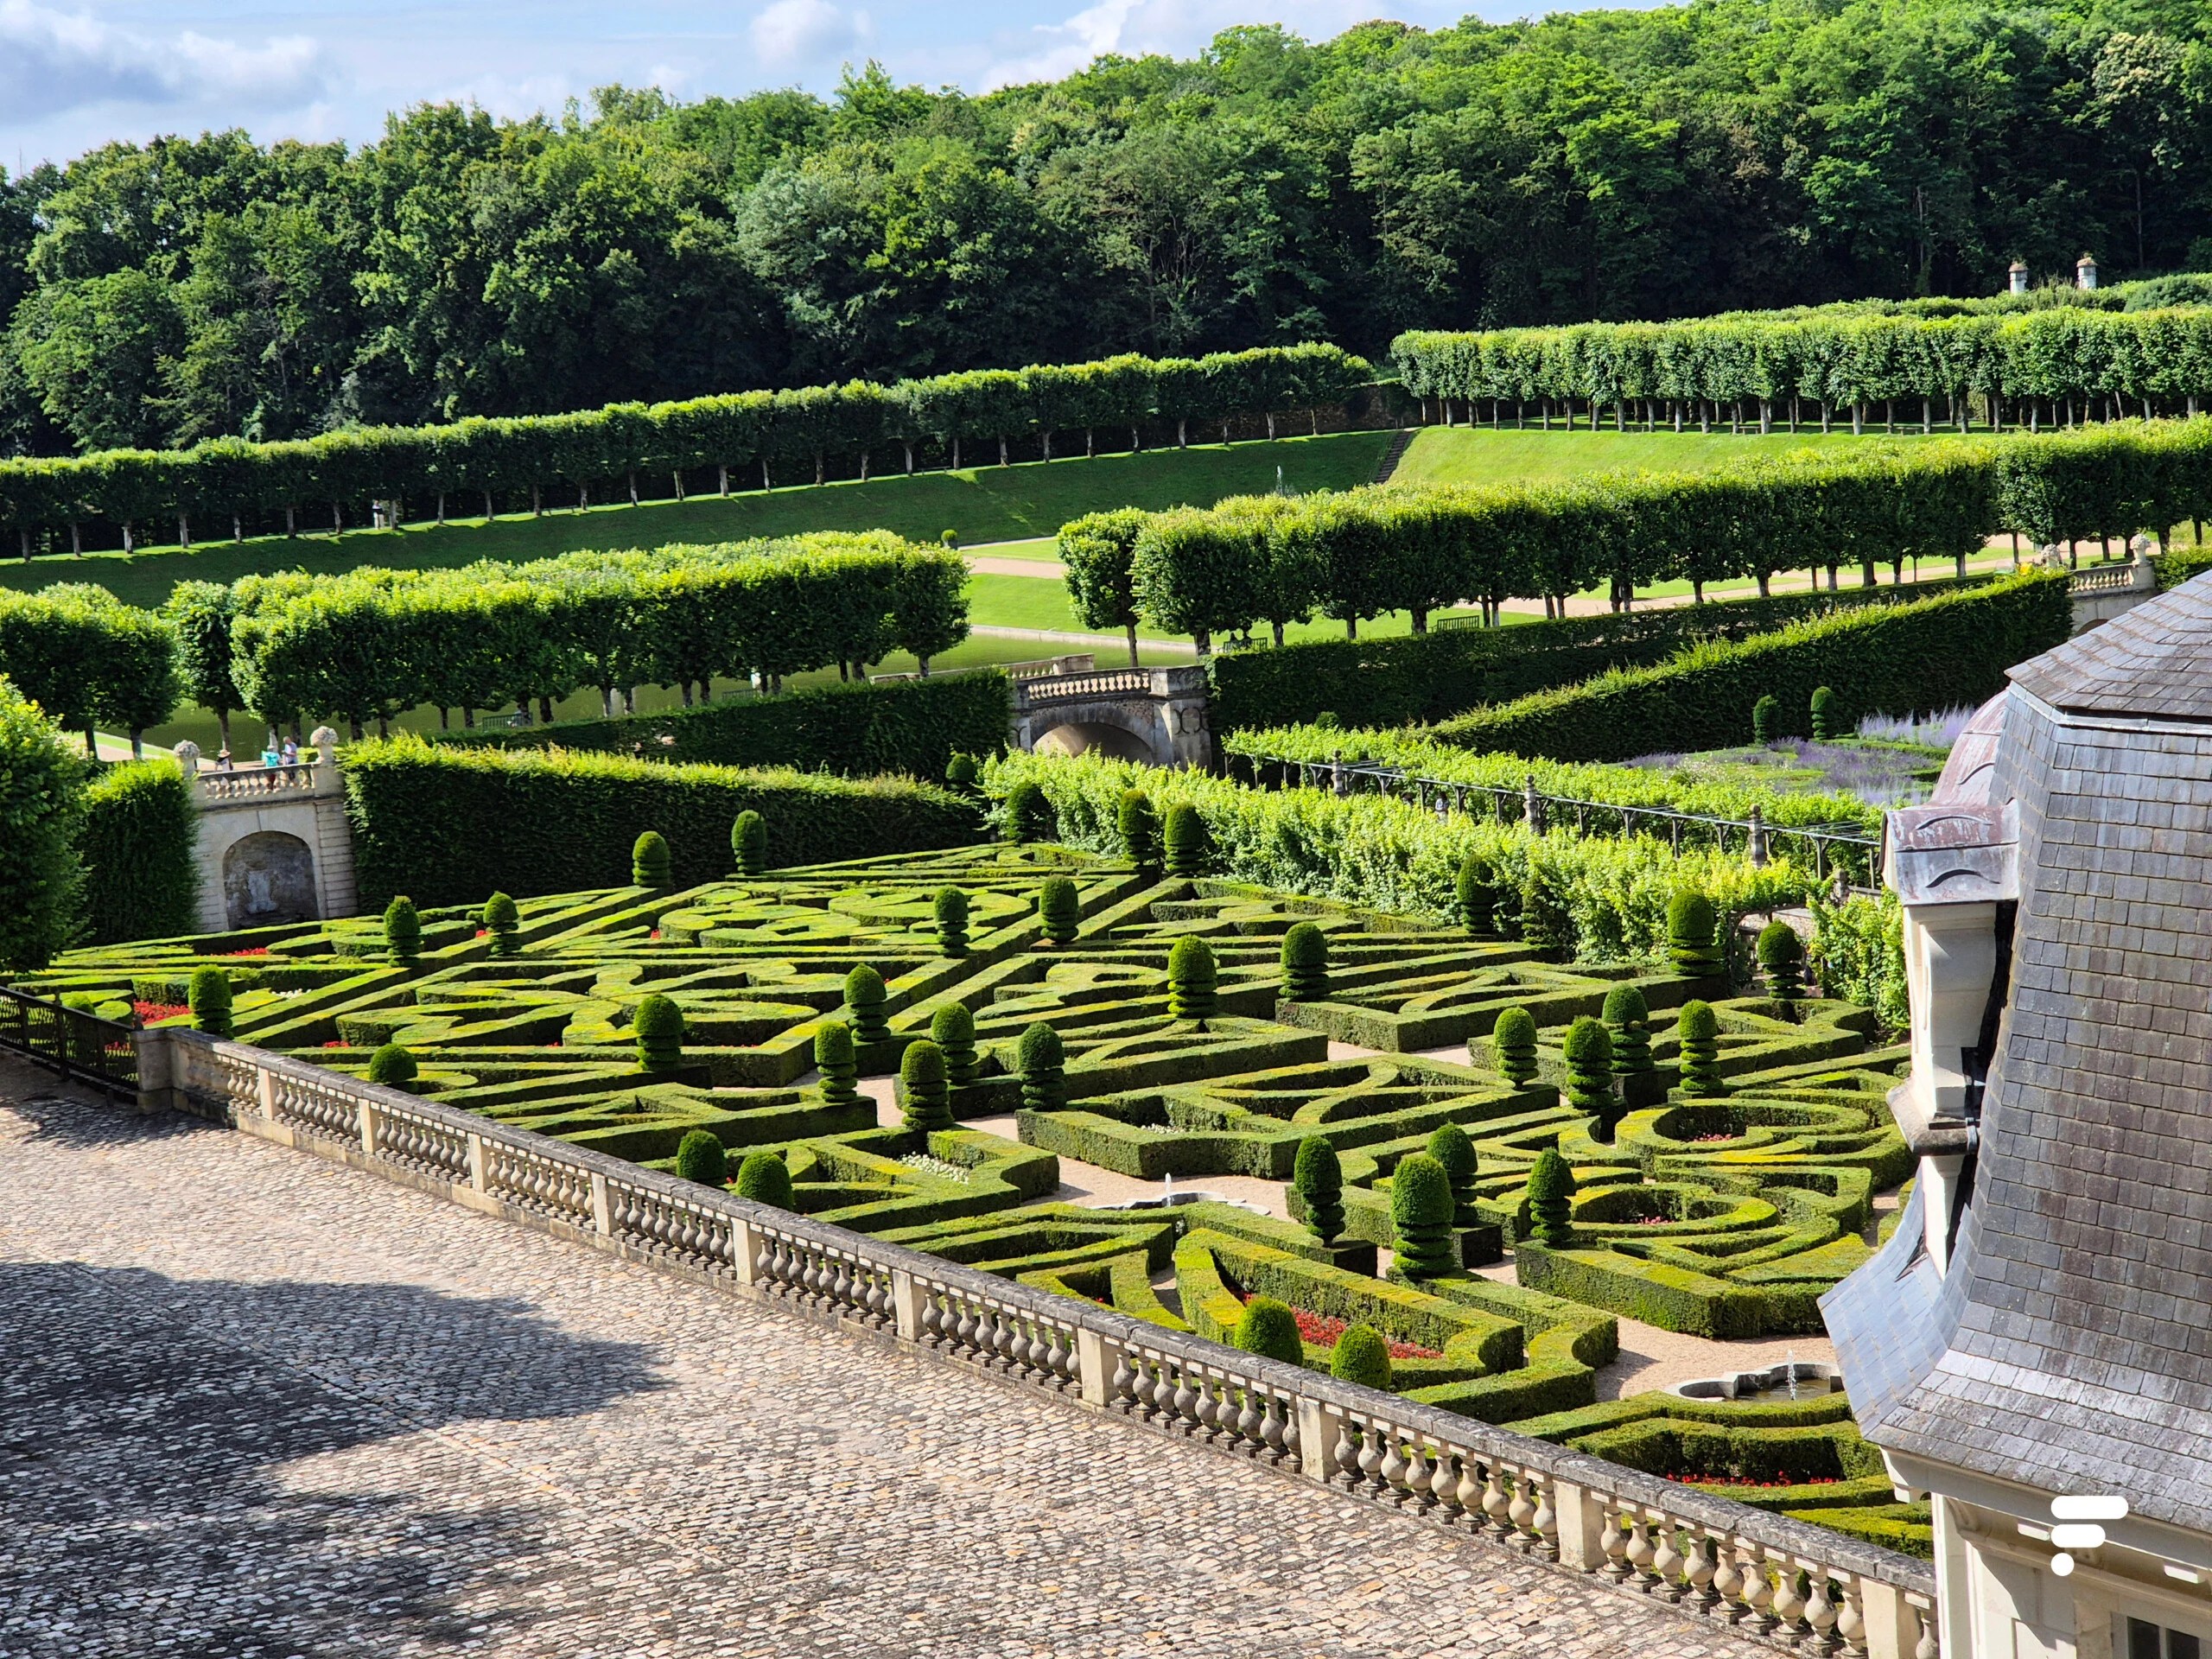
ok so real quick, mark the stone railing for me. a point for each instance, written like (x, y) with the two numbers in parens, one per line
(2138, 576)
(314, 774)
(1767, 1576)
(1111, 683)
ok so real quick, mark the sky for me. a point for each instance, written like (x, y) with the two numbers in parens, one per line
(76, 75)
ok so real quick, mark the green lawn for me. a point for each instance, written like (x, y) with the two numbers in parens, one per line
(1462, 454)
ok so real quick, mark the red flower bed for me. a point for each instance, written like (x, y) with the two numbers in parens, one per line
(1324, 1329)
(337, 1042)
(1746, 1480)
(251, 950)
(148, 1012)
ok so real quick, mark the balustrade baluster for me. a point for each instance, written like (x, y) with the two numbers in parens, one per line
(1728, 1584)
(1545, 1523)
(1614, 1543)
(1185, 1399)
(1758, 1592)
(1927, 1647)
(1641, 1553)
(1470, 1494)
(1417, 1476)
(1789, 1602)
(1496, 1506)
(1125, 1376)
(1820, 1611)
(1370, 1457)
(1522, 1512)
(1851, 1618)
(1704, 1567)
(1669, 1561)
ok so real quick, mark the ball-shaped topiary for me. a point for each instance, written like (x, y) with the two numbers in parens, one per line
(393, 1066)
(1269, 1328)
(1628, 1019)
(764, 1178)
(1185, 839)
(659, 1028)
(1304, 962)
(949, 540)
(1697, 1032)
(953, 1028)
(1513, 1046)
(502, 922)
(865, 1006)
(208, 995)
(1421, 1219)
(1827, 714)
(926, 1097)
(1042, 1062)
(700, 1157)
(1764, 714)
(1138, 827)
(835, 1057)
(949, 910)
(1692, 945)
(1449, 1145)
(403, 929)
(1362, 1356)
(1588, 1051)
(1551, 1186)
(1782, 960)
(1059, 911)
(1029, 815)
(649, 862)
(961, 771)
(1319, 1177)
(1475, 894)
(749, 842)
(1192, 982)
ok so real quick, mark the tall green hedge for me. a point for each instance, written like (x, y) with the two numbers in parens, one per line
(141, 879)
(85, 658)
(41, 800)
(449, 825)
(912, 727)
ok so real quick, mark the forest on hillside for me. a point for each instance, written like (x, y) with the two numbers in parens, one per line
(1726, 154)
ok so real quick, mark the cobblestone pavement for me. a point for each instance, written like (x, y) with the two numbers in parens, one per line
(258, 1404)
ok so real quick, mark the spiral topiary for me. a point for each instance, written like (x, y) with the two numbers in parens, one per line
(1320, 1178)
(1421, 1219)
(953, 1028)
(1513, 1044)
(928, 1098)
(1692, 945)
(838, 1062)
(1059, 911)
(1139, 828)
(865, 1001)
(1449, 1145)
(1042, 1062)
(502, 922)
(949, 909)
(1546, 922)
(393, 1066)
(1697, 1032)
(1588, 1051)
(700, 1157)
(649, 863)
(749, 842)
(1304, 962)
(961, 771)
(764, 1178)
(1782, 959)
(1362, 1356)
(1765, 713)
(1269, 1328)
(1628, 1019)
(1029, 815)
(403, 929)
(208, 995)
(1475, 894)
(659, 1028)
(1185, 839)
(1827, 713)
(1551, 1184)
(1191, 981)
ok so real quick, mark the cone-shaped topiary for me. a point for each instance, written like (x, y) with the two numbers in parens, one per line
(502, 922)
(928, 1104)
(1320, 1179)
(764, 1178)
(1782, 959)
(1420, 1218)
(1628, 1019)
(1546, 922)
(1138, 827)
(1362, 1356)
(648, 860)
(864, 1006)
(1588, 1051)
(1551, 1184)
(1449, 1145)
(392, 1066)
(839, 1065)
(1268, 1327)
(1513, 1042)
(1827, 713)
(951, 910)
(748, 843)
(700, 1157)
(1697, 1030)
(1042, 1062)
(1475, 892)
(659, 1028)
(403, 929)
(1692, 945)
(961, 771)
(1029, 815)
(208, 995)
(1184, 838)
(1191, 981)
(1765, 713)
(1060, 909)
(953, 1028)
(1304, 962)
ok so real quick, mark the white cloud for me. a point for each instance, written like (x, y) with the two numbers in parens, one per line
(52, 61)
(795, 33)
(1067, 48)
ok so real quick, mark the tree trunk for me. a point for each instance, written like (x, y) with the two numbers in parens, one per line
(910, 459)
(1351, 627)
(1136, 441)
(468, 719)
(353, 726)
(223, 725)
(1182, 433)
(445, 719)
(1766, 588)
(1697, 590)
(1203, 637)
(128, 546)
(537, 502)
(864, 461)
(1421, 619)
(677, 479)
(291, 524)
(629, 699)
(1090, 444)
(955, 455)
(337, 519)
(1858, 419)
(819, 463)
(687, 693)
(1276, 626)
(764, 473)
(1048, 445)
(1003, 462)
(1131, 629)
(488, 514)
(184, 532)
(545, 709)
(722, 474)
(238, 528)
(442, 508)
(1271, 426)
(583, 499)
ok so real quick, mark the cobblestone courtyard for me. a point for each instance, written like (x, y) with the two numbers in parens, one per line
(256, 1404)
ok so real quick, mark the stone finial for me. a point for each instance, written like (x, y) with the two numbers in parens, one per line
(2019, 276)
(326, 743)
(188, 757)
(2141, 547)
(2084, 272)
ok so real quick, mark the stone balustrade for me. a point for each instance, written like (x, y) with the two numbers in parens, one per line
(1766, 1575)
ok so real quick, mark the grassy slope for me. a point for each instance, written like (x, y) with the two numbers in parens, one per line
(1478, 456)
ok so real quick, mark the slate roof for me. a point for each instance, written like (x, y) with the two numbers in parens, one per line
(2070, 1345)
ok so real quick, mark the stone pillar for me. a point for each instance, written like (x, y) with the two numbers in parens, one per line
(1093, 1368)
(157, 1058)
(1582, 1522)
(907, 1304)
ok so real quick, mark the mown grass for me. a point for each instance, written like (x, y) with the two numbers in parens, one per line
(1463, 454)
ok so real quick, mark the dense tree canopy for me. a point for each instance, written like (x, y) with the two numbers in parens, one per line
(1597, 165)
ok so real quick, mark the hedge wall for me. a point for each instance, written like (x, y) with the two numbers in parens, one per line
(910, 727)
(1935, 654)
(449, 825)
(42, 797)
(141, 880)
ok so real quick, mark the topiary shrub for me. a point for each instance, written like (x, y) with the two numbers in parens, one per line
(1191, 981)
(1546, 922)
(1628, 1020)
(1551, 1184)
(1765, 713)
(1588, 1051)
(1421, 1219)
(1827, 713)
(1782, 960)
(953, 1028)
(1304, 962)
(208, 995)
(393, 1066)
(865, 1001)
(1185, 839)
(922, 1082)
(1475, 894)
(1029, 815)
(1138, 827)
(700, 1157)
(748, 843)
(1320, 1179)
(659, 1028)
(961, 771)
(1042, 1062)
(1362, 1356)
(1059, 911)
(403, 929)
(950, 911)
(834, 1056)
(1449, 1145)
(648, 860)
(949, 540)
(502, 922)
(1693, 930)
(764, 1178)
(1513, 1042)
(1697, 1030)
(1268, 1327)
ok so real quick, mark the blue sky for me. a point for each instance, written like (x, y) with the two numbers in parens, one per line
(74, 74)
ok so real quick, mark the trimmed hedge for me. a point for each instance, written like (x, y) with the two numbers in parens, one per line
(41, 800)
(87, 659)
(449, 825)
(910, 727)
(141, 879)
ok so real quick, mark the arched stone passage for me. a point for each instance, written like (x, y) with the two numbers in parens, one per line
(1083, 737)
(268, 879)
(1157, 715)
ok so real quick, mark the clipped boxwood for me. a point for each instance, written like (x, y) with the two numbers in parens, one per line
(136, 839)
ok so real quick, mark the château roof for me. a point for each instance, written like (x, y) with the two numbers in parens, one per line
(2153, 662)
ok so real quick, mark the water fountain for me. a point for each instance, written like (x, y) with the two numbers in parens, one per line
(1794, 1379)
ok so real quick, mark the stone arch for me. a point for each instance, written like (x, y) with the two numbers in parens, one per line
(1108, 737)
(269, 879)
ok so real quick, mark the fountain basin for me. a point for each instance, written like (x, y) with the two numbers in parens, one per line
(1766, 1387)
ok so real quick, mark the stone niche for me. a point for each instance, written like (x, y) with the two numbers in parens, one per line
(268, 879)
